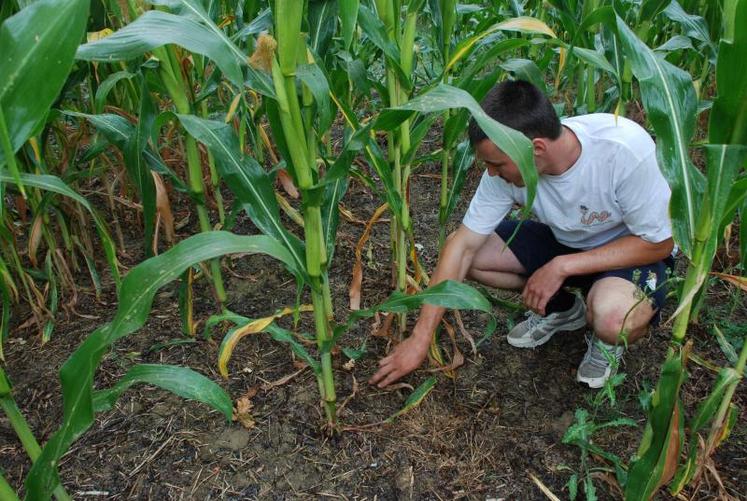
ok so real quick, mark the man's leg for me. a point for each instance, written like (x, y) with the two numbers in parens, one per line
(507, 267)
(619, 312)
(617, 306)
(495, 265)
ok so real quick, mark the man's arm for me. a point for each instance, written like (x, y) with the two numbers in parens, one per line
(624, 252)
(453, 264)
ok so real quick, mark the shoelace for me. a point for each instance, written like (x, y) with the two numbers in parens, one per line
(533, 319)
(595, 356)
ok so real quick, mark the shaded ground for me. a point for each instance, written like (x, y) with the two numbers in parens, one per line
(478, 436)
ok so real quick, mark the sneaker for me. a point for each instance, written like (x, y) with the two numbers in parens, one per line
(596, 367)
(537, 330)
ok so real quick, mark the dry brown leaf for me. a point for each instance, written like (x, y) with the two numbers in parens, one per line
(385, 330)
(465, 332)
(283, 380)
(673, 449)
(242, 412)
(357, 280)
(287, 183)
(740, 282)
(163, 207)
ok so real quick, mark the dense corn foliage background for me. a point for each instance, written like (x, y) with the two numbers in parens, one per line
(110, 107)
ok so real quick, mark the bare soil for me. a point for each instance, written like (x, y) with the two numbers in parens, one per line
(478, 436)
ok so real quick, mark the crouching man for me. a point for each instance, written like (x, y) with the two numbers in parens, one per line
(602, 225)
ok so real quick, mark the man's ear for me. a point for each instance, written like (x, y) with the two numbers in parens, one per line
(539, 146)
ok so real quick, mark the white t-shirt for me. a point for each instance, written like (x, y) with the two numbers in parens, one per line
(614, 189)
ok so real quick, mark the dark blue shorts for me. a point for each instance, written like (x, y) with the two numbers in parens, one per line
(534, 246)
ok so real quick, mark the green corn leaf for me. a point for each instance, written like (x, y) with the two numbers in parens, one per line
(728, 120)
(119, 132)
(377, 34)
(707, 410)
(726, 348)
(156, 28)
(333, 194)
(482, 59)
(102, 92)
(53, 299)
(6, 491)
(694, 26)
(248, 181)
(595, 59)
(136, 164)
(464, 157)
(181, 381)
(513, 143)
(322, 19)
(262, 22)
(415, 398)
(56, 185)
(677, 42)
(645, 473)
(286, 336)
(256, 80)
(669, 99)
(136, 295)
(348, 20)
(7, 305)
(314, 79)
(743, 234)
(37, 46)
(650, 8)
(449, 294)
(524, 69)
(418, 132)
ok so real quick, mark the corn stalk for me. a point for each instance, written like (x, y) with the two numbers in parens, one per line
(302, 146)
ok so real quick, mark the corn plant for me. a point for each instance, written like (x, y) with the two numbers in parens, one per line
(698, 208)
(27, 90)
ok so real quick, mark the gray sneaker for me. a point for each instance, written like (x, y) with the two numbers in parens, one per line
(537, 330)
(597, 366)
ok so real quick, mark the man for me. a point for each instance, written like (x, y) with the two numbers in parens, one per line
(602, 207)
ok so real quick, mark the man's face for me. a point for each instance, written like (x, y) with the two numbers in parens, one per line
(498, 163)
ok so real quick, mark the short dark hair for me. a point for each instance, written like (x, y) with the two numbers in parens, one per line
(520, 105)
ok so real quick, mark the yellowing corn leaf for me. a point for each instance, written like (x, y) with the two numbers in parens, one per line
(523, 24)
(93, 36)
(740, 282)
(526, 24)
(35, 238)
(253, 327)
(233, 107)
(357, 281)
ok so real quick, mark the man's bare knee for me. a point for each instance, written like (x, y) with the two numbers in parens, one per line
(612, 321)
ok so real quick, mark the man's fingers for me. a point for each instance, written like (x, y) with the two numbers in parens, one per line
(392, 377)
(379, 375)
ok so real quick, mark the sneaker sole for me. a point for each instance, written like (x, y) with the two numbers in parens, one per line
(593, 382)
(533, 343)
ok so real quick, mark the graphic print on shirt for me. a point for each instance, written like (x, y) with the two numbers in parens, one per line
(594, 218)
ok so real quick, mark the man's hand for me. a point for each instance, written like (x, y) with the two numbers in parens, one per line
(405, 358)
(542, 285)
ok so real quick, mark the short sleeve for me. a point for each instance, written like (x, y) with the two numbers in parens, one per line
(489, 205)
(643, 195)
